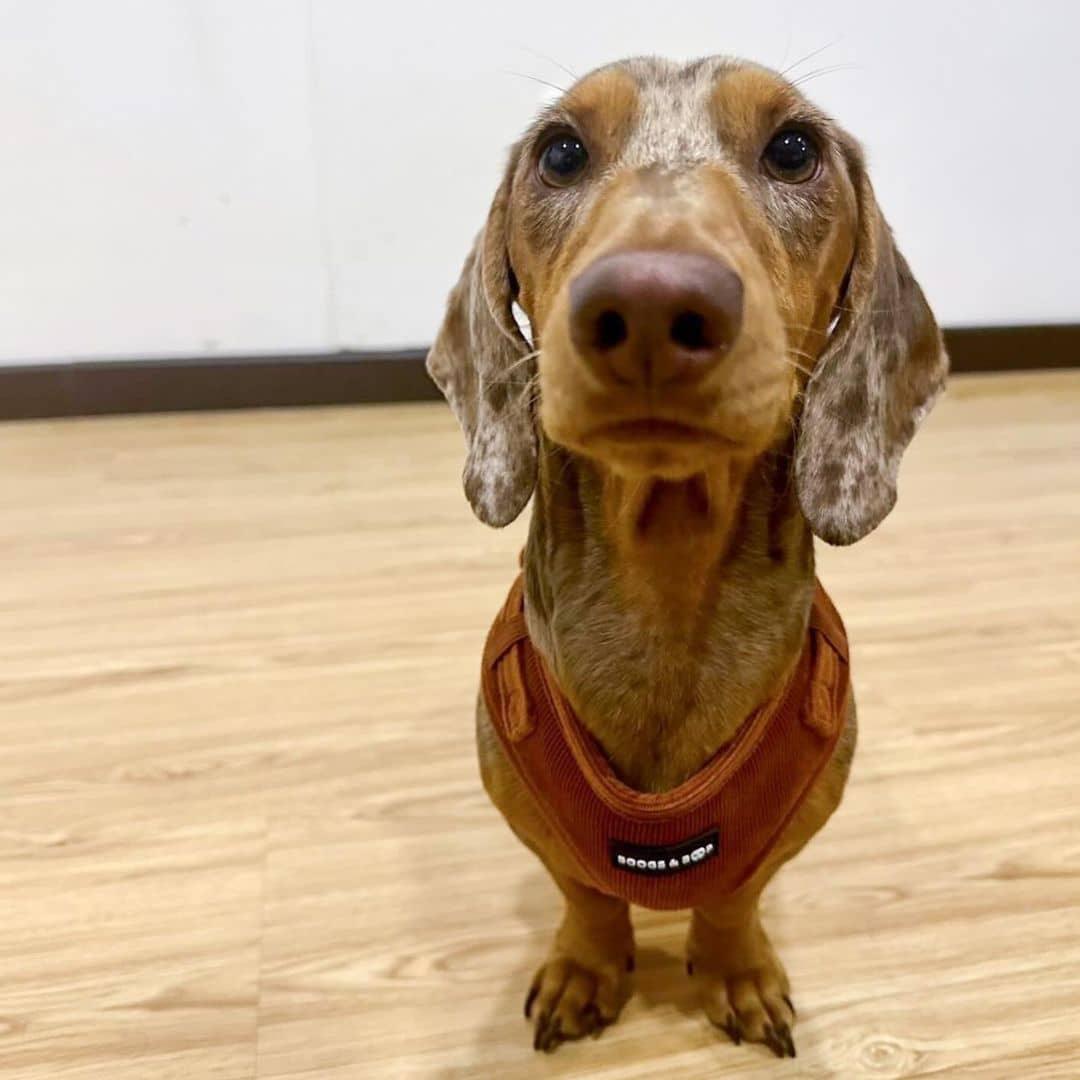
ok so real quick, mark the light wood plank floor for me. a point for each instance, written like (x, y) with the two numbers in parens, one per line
(241, 828)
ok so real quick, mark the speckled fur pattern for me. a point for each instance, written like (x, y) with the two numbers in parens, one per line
(883, 369)
(481, 363)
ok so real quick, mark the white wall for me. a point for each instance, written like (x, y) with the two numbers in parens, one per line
(200, 176)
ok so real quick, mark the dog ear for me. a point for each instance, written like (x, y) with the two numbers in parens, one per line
(481, 363)
(878, 376)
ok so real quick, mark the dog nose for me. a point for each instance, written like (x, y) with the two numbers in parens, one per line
(653, 317)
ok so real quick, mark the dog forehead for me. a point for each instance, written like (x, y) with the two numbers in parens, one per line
(674, 120)
(660, 112)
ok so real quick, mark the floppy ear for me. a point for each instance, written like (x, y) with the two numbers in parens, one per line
(876, 379)
(478, 362)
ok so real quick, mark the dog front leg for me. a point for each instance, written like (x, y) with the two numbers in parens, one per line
(585, 981)
(744, 988)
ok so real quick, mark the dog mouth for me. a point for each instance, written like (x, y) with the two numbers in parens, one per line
(648, 430)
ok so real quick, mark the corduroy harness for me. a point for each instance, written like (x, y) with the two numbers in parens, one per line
(702, 839)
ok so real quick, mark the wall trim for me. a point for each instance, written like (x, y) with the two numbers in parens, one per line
(100, 387)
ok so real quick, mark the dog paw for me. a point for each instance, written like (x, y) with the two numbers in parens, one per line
(744, 988)
(570, 1000)
(751, 1006)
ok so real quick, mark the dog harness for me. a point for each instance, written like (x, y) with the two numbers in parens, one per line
(702, 839)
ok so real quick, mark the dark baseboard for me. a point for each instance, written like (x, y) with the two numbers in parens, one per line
(99, 387)
(1013, 348)
(94, 388)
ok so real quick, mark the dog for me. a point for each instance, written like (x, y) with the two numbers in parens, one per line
(728, 358)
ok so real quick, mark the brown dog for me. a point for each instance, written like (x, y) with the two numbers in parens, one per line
(730, 356)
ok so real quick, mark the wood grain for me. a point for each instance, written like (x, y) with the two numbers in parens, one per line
(242, 832)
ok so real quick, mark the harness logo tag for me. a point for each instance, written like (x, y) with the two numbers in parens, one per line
(654, 861)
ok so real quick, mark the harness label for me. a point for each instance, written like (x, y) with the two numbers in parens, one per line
(654, 861)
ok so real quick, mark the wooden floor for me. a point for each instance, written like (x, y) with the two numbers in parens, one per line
(241, 828)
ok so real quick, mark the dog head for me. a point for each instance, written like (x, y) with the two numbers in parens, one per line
(703, 263)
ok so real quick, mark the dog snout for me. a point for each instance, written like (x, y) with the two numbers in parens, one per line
(649, 318)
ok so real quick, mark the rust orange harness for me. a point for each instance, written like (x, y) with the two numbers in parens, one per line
(702, 839)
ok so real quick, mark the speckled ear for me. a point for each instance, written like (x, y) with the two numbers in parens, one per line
(482, 365)
(880, 374)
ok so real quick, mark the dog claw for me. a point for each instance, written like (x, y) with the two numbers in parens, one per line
(689, 967)
(543, 1023)
(554, 1036)
(779, 1040)
(783, 1032)
(772, 1041)
(530, 998)
(788, 1002)
(732, 1029)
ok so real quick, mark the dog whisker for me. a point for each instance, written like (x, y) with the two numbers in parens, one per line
(550, 59)
(809, 56)
(536, 79)
(808, 372)
(818, 72)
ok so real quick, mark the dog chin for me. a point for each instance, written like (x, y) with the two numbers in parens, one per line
(664, 449)
(660, 461)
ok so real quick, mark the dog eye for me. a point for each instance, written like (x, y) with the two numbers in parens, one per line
(563, 160)
(791, 156)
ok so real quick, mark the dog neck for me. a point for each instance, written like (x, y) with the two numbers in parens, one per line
(668, 611)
